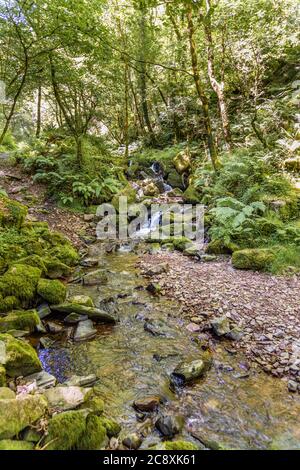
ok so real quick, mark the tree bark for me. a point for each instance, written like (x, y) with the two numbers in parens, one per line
(39, 112)
(218, 87)
(200, 91)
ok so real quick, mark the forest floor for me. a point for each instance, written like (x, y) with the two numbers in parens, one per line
(266, 307)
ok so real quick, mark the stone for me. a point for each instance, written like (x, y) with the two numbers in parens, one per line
(208, 258)
(6, 393)
(182, 161)
(132, 441)
(18, 413)
(256, 259)
(46, 343)
(43, 379)
(292, 386)
(54, 328)
(95, 278)
(74, 318)
(88, 217)
(93, 313)
(2, 352)
(79, 381)
(154, 288)
(235, 334)
(65, 430)
(220, 326)
(66, 398)
(193, 328)
(89, 262)
(169, 425)
(52, 291)
(43, 310)
(192, 251)
(190, 370)
(25, 320)
(158, 269)
(21, 358)
(84, 331)
(82, 300)
(156, 328)
(147, 403)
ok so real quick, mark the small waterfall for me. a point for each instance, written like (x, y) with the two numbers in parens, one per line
(149, 226)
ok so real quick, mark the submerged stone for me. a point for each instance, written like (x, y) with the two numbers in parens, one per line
(84, 331)
(147, 403)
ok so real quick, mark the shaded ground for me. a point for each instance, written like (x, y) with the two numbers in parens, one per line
(20, 187)
(267, 308)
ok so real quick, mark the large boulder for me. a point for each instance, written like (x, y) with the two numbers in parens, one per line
(175, 180)
(20, 281)
(53, 291)
(182, 162)
(21, 358)
(18, 413)
(256, 259)
(12, 213)
(19, 320)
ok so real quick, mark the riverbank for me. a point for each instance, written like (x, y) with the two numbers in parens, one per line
(265, 307)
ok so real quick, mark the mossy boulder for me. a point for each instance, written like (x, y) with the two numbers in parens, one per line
(220, 247)
(179, 445)
(191, 195)
(9, 444)
(94, 437)
(113, 428)
(95, 405)
(128, 192)
(21, 281)
(18, 413)
(2, 376)
(181, 243)
(21, 358)
(182, 162)
(12, 213)
(19, 320)
(175, 180)
(8, 303)
(65, 254)
(53, 291)
(33, 260)
(82, 300)
(56, 269)
(258, 259)
(65, 430)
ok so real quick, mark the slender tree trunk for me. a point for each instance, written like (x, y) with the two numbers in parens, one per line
(79, 150)
(126, 126)
(39, 112)
(15, 100)
(200, 91)
(218, 87)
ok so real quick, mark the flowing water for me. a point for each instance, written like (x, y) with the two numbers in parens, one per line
(232, 407)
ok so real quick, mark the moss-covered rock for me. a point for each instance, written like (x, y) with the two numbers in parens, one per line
(176, 181)
(56, 269)
(179, 445)
(66, 254)
(20, 281)
(95, 405)
(54, 292)
(12, 213)
(94, 437)
(8, 444)
(33, 260)
(220, 247)
(21, 358)
(181, 243)
(82, 300)
(113, 428)
(18, 413)
(256, 259)
(19, 320)
(2, 376)
(8, 303)
(65, 430)
(128, 192)
(182, 162)
(191, 195)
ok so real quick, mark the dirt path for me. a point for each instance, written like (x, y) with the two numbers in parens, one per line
(267, 308)
(20, 186)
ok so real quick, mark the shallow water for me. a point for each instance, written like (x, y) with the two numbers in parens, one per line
(232, 407)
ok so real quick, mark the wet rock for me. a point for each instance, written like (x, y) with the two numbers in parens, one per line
(84, 300)
(43, 310)
(84, 331)
(220, 326)
(43, 379)
(147, 403)
(79, 381)
(74, 318)
(40, 328)
(46, 343)
(66, 398)
(18, 413)
(93, 313)
(192, 251)
(190, 370)
(54, 328)
(154, 288)
(292, 386)
(156, 328)
(132, 441)
(95, 278)
(169, 425)
(89, 262)
(158, 269)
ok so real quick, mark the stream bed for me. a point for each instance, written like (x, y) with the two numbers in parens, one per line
(232, 407)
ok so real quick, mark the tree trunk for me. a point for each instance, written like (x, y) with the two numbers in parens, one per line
(216, 86)
(126, 124)
(39, 113)
(79, 150)
(200, 91)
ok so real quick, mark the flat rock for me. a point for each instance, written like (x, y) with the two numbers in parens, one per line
(46, 343)
(66, 398)
(79, 381)
(54, 328)
(43, 310)
(84, 331)
(43, 379)
(93, 313)
(74, 318)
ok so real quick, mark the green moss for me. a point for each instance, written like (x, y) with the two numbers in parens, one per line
(56, 269)
(286, 261)
(19, 320)
(182, 162)
(34, 260)
(219, 247)
(2, 376)
(82, 300)
(8, 303)
(65, 430)
(66, 254)
(21, 358)
(12, 213)
(128, 192)
(8, 444)
(181, 243)
(94, 437)
(20, 280)
(113, 428)
(256, 259)
(191, 195)
(54, 292)
(180, 445)
(95, 405)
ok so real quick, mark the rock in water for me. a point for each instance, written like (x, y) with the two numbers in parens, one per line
(75, 318)
(79, 381)
(132, 441)
(18, 413)
(43, 379)
(66, 398)
(95, 278)
(147, 403)
(54, 328)
(188, 371)
(43, 310)
(220, 326)
(169, 426)
(84, 331)
(93, 313)
(82, 300)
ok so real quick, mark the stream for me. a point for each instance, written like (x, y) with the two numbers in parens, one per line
(232, 407)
